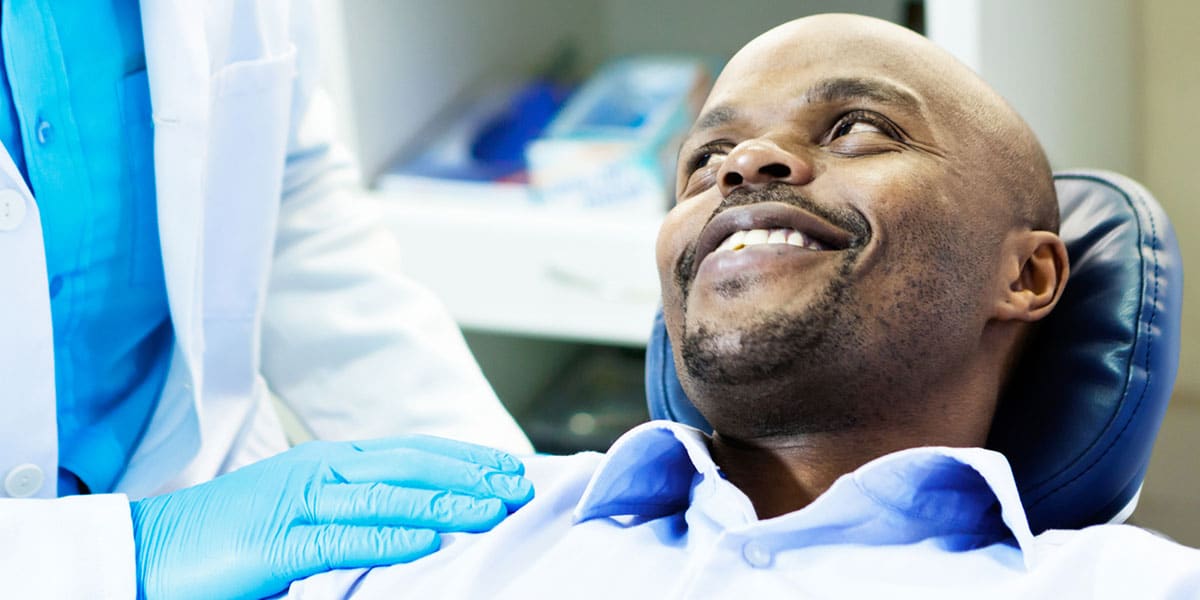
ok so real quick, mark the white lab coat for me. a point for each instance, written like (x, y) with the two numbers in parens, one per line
(307, 283)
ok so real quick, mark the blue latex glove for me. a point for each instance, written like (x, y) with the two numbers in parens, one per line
(319, 506)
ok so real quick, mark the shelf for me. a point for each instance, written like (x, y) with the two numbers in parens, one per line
(525, 270)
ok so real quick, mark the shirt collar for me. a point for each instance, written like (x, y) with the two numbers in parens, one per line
(662, 468)
(648, 472)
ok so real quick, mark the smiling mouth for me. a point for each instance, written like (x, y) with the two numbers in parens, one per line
(769, 223)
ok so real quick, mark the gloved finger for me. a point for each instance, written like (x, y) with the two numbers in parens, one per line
(314, 549)
(416, 469)
(386, 505)
(480, 455)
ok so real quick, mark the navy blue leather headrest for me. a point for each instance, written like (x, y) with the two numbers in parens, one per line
(1079, 417)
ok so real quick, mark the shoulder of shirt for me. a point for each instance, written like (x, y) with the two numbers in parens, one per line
(561, 472)
(1125, 550)
(1125, 538)
(547, 466)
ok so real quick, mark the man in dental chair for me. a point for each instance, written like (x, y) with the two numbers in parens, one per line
(863, 237)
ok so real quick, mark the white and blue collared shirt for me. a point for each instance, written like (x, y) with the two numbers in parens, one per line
(654, 518)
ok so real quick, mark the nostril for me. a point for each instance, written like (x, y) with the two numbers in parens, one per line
(776, 170)
(732, 178)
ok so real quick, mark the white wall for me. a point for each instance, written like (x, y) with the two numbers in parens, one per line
(714, 27)
(1170, 125)
(1069, 67)
(1170, 85)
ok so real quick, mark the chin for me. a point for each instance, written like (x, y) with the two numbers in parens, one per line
(785, 374)
(756, 352)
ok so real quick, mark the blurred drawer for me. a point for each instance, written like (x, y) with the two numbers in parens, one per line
(528, 271)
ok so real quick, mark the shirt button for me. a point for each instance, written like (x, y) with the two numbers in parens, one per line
(757, 555)
(56, 284)
(23, 481)
(12, 209)
(45, 132)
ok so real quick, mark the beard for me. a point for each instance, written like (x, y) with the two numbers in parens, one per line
(785, 365)
(771, 344)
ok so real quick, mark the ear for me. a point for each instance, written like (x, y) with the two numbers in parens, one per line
(1034, 274)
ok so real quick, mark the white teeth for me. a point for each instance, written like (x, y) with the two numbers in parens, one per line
(734, 242)
(754, 237)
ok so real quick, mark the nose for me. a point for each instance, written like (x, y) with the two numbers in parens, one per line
(755, 163)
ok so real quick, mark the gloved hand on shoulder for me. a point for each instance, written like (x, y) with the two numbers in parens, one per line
(316, 507)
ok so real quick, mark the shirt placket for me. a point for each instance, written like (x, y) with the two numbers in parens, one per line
(722, 536)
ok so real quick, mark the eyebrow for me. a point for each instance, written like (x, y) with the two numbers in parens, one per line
(716, 117)
(828, 91)
(841, 89)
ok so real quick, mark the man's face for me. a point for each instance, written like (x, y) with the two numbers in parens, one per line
(828, 240)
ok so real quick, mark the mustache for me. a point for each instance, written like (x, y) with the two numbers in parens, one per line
(843, 217)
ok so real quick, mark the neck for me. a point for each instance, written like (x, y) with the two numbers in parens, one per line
(781, 476)
(784, 473)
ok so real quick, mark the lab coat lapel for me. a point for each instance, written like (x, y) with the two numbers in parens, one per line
(177, 64)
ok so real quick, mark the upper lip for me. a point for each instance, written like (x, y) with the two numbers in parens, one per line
(768, 215)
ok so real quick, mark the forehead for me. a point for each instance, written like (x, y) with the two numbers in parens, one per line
(829, 60)
(780, 92)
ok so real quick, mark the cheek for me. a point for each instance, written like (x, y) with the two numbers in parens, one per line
(679, 230)
(667, 246)
(930, 283)
(927, 266)
(914, 215)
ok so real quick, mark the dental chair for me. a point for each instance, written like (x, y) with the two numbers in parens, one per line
(1079, 417)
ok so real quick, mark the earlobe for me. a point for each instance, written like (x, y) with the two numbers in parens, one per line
(1036, 279)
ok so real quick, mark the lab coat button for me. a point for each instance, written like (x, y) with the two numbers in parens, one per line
(12, 209)
(23, 481)
(757, 555)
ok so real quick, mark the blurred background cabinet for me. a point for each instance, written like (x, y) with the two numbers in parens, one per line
(557, 307)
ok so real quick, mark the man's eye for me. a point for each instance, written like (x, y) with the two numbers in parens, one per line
(860, 121)
(848, 128)
(707, 158)
(702, 166)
